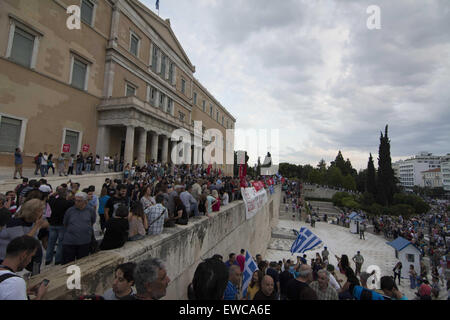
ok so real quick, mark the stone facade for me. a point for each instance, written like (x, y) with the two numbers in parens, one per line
(137, 82)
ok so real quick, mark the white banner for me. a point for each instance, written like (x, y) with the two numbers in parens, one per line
(253, 200)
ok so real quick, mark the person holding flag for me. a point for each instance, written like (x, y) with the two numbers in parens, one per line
(249, 268)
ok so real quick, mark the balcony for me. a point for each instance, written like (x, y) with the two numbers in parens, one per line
(132, 109)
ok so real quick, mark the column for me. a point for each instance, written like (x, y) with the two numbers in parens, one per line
(129, 146)
(142, 146)
(154, 153)
(102, 146)
(165, 148)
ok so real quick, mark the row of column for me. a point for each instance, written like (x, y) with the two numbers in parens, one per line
(188, 155)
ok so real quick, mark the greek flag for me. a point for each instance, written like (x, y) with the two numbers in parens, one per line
(157, 4)
(306, 240)
(249, 268)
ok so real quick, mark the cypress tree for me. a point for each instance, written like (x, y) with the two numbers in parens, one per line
(386, 180)
(371, 184)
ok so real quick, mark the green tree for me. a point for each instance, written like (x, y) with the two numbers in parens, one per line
(322, 166)
(335, 177)
(385, 180)
(348, 182)
(371, 185)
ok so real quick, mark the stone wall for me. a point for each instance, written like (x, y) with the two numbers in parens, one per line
(182, 248)
(311, 191)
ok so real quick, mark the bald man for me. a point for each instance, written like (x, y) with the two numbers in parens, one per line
(297, 285)
(234, 279)
(267, 291)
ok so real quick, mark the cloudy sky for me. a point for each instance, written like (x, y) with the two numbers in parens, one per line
(313, 70)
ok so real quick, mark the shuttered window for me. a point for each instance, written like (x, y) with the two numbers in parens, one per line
(9, 134)
(79, 71)
(72, 139)
(87, 11)
(22, 47)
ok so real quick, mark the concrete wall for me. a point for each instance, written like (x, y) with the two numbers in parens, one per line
(312, 191)
(181, 248)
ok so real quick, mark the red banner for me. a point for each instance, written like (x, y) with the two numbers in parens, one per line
(66, 148)
(258, 185)
(85, 148)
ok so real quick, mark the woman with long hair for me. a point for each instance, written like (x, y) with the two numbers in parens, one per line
(138, 222)
(147, 200)
(255, 284)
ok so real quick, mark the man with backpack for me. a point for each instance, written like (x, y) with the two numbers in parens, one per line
(19, 253)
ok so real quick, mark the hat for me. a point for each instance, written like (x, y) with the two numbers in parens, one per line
(424, 290)
(45, 188)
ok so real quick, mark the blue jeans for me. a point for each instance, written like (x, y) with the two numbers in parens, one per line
(194, 208)
(56, 233)
(413, 282)
(43, 170)
(79, 168)
(88, 167)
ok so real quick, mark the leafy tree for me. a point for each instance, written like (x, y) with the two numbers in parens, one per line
(335, 177)
(322, 166)
(348, 182)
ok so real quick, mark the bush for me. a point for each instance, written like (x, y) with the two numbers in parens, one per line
(337, 198)
(350, 202)
(367, 199)
(376, 209)
(402, 209)
(412, 200)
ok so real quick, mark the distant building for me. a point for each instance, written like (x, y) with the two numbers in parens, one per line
(410, 171)
(432, 178)
(445, 172)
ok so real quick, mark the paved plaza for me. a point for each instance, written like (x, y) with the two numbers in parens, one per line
(340, 241)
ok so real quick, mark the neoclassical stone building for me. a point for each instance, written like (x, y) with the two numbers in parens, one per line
(121, 84)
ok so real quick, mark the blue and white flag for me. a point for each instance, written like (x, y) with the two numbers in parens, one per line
(249, 268)
(157, 4)
(305, 241)
(271, 190)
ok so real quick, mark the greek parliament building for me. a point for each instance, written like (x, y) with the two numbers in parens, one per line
(121, 84)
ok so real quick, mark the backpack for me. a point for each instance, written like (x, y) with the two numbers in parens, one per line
(5, 276)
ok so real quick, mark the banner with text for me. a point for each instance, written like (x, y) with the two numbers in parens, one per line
(254, 200)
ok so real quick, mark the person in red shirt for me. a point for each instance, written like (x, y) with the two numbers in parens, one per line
(216, 206)
(241, 260)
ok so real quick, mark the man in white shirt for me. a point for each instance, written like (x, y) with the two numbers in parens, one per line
(19, 253)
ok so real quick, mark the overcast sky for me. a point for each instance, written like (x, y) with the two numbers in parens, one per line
(313, 70)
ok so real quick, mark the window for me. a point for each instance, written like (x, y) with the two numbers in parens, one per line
(72, 138)
(9, 134)
(410, 257)
(87, 12)
(227, 124)
(222, 120)
(183, 86)
(79, 74)
(154, 58)
(217, 116)
(161, 100)
(171, 72)
(169, 106)
(163, 66)
(211, 110)
(152, 95)
(22, 47)
(195, 98)
(134, 44)
(181, 115)
(130, 90)
(204, 106)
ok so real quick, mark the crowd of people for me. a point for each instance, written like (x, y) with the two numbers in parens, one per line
(147, 200)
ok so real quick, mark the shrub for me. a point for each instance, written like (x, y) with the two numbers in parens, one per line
(337, 198)
(402, 209)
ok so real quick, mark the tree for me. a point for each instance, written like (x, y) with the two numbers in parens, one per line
(386, 179)
(335, 177)
(348, 182)
(322, 166)
(258, 168)
(361, 180)
(371, 184)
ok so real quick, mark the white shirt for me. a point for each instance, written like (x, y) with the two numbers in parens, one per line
(13, 288)
(334, 283)
(225, 199)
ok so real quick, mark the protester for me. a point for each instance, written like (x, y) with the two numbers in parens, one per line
(116, 233)
(255, 284)
(151, 280)
(210, 280)
(267, 291)
(297, 285)
(322, 288)
(19, 253)
(231, 291)
(122, 288)
(78, 222)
